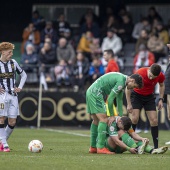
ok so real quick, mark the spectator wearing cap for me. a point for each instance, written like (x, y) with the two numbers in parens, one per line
(112, 41)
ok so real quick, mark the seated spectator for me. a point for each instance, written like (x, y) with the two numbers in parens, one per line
(47, 59)
(49, 32)
(79, 72)
(143, 58)
(96, 69)
(112, 41)
(143, 24)
(111, 23)
(70, 40)
(152, 14)
(156, 46)
(62, 25)
(125, 29)
(95, 47)
(62, 73)
(112, 65)
(85, 44)
(143, 39)
(38, 20)
(91, 26)
(30, 35)
(65, 51)
(162, 32)
(29, 59)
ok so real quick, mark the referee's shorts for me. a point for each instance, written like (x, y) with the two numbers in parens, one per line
(140, 101)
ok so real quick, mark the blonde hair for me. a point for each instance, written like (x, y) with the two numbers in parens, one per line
(6, 46)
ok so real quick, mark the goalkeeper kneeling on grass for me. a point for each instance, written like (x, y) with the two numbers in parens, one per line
(121, 138)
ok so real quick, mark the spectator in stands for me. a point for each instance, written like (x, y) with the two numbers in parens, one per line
(152, 14)
(49, 32)
(95, 47)
(125, 29)
(29, 59)
(48, 58)
(65, 51)
(62, 25)
(91, 26)
(69, 38)
(112, 41)
(162, 32)
(38, 20)
(96, 69)
(143, 24)
(79, 71)
(156, 46)
(85, 44)
(109, 56)
(111, 22)
(143, 58)
(89, 12)
(30, 35)
(143, 39)
(62, 72)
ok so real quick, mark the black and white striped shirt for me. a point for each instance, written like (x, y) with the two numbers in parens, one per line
(8, 72)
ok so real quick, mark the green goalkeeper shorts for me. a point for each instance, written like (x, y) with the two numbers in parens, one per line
(95, 103)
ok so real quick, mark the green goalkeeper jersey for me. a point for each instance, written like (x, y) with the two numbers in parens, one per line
(111, 85)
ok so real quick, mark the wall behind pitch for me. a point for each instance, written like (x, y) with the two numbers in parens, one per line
(66, 109)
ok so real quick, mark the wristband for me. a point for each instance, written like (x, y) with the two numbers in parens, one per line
(161, 99)
(128, 148)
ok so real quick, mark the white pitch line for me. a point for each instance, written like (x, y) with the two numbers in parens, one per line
(66, 132)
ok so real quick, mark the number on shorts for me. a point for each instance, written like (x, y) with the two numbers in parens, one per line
(1, 105)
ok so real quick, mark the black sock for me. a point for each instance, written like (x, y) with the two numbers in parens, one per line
(154, 132)
(134, 126)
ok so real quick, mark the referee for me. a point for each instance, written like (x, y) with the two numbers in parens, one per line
(144, 98)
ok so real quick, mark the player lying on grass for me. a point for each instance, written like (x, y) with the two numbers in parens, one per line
(122, 138)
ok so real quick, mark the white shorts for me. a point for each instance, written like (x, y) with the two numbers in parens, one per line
(8, 105)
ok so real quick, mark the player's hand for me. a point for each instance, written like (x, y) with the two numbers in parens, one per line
(111, 119)
(2, 90)
(129, 108)
(160, 105)
(145, 139)
(17, 90)
(133, 150)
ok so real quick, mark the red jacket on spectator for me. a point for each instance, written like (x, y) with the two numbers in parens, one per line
(112, 66)
(143, 59)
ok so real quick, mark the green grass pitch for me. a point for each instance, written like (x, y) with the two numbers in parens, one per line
(68, 150)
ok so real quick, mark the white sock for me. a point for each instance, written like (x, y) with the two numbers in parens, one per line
(8, 131)
(3, 137)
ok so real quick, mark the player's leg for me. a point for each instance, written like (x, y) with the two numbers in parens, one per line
(13, 112)
(102, 127)
(3, 113)
(137, 104)
(93, 134)
(152, 116)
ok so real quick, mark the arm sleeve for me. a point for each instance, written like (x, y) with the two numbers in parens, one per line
(114, 93)
(119, 101)
(23, 79)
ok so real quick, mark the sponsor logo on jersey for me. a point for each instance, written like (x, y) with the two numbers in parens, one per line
(120, 87)
(112, 128)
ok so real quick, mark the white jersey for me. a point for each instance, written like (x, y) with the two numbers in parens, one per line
(8, 72)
